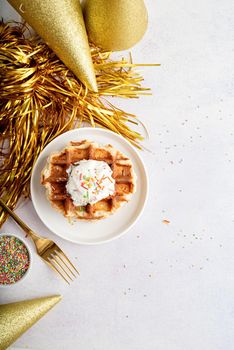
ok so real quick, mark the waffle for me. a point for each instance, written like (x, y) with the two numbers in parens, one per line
(54, 177)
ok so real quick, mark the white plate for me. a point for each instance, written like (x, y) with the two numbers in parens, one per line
(90, 232)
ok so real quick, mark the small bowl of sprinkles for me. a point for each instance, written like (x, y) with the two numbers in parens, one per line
(15, 259)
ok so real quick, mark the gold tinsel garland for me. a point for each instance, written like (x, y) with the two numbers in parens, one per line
(40, 99)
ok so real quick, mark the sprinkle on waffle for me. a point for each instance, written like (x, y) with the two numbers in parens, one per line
(102, 192)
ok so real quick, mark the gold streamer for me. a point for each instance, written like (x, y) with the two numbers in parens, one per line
(60, 23)
(40, 99)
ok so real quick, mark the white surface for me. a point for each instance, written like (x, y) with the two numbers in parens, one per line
(161, 287)
(82, 231)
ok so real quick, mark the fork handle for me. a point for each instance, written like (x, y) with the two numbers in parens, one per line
(20, 222)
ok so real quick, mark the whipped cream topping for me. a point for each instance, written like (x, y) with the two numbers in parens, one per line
(89, 181)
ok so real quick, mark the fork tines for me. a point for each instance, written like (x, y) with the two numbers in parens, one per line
(62, 265)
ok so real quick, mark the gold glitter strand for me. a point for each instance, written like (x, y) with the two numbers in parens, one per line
(40, 98)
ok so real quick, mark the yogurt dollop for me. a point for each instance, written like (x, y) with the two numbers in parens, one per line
(89, 181)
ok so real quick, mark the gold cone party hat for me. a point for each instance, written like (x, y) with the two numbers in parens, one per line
(16, 318)
(60, 23)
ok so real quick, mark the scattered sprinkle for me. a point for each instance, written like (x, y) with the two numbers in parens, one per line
(165, 221)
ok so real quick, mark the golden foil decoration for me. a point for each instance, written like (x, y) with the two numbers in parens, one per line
(40, 99)
(115, 24)
(17, 318)
(60, 23)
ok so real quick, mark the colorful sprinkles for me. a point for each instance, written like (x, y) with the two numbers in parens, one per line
(89, 181)
(92, 182)
(14, 259)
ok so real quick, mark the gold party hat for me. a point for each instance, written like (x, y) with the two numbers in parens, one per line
(16, 318)
(60, 23)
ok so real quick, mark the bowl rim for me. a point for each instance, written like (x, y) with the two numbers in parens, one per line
(30, 259)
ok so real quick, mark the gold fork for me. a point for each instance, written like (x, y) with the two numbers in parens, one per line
(47, 249)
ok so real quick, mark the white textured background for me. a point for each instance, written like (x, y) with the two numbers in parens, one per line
(160, 287)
